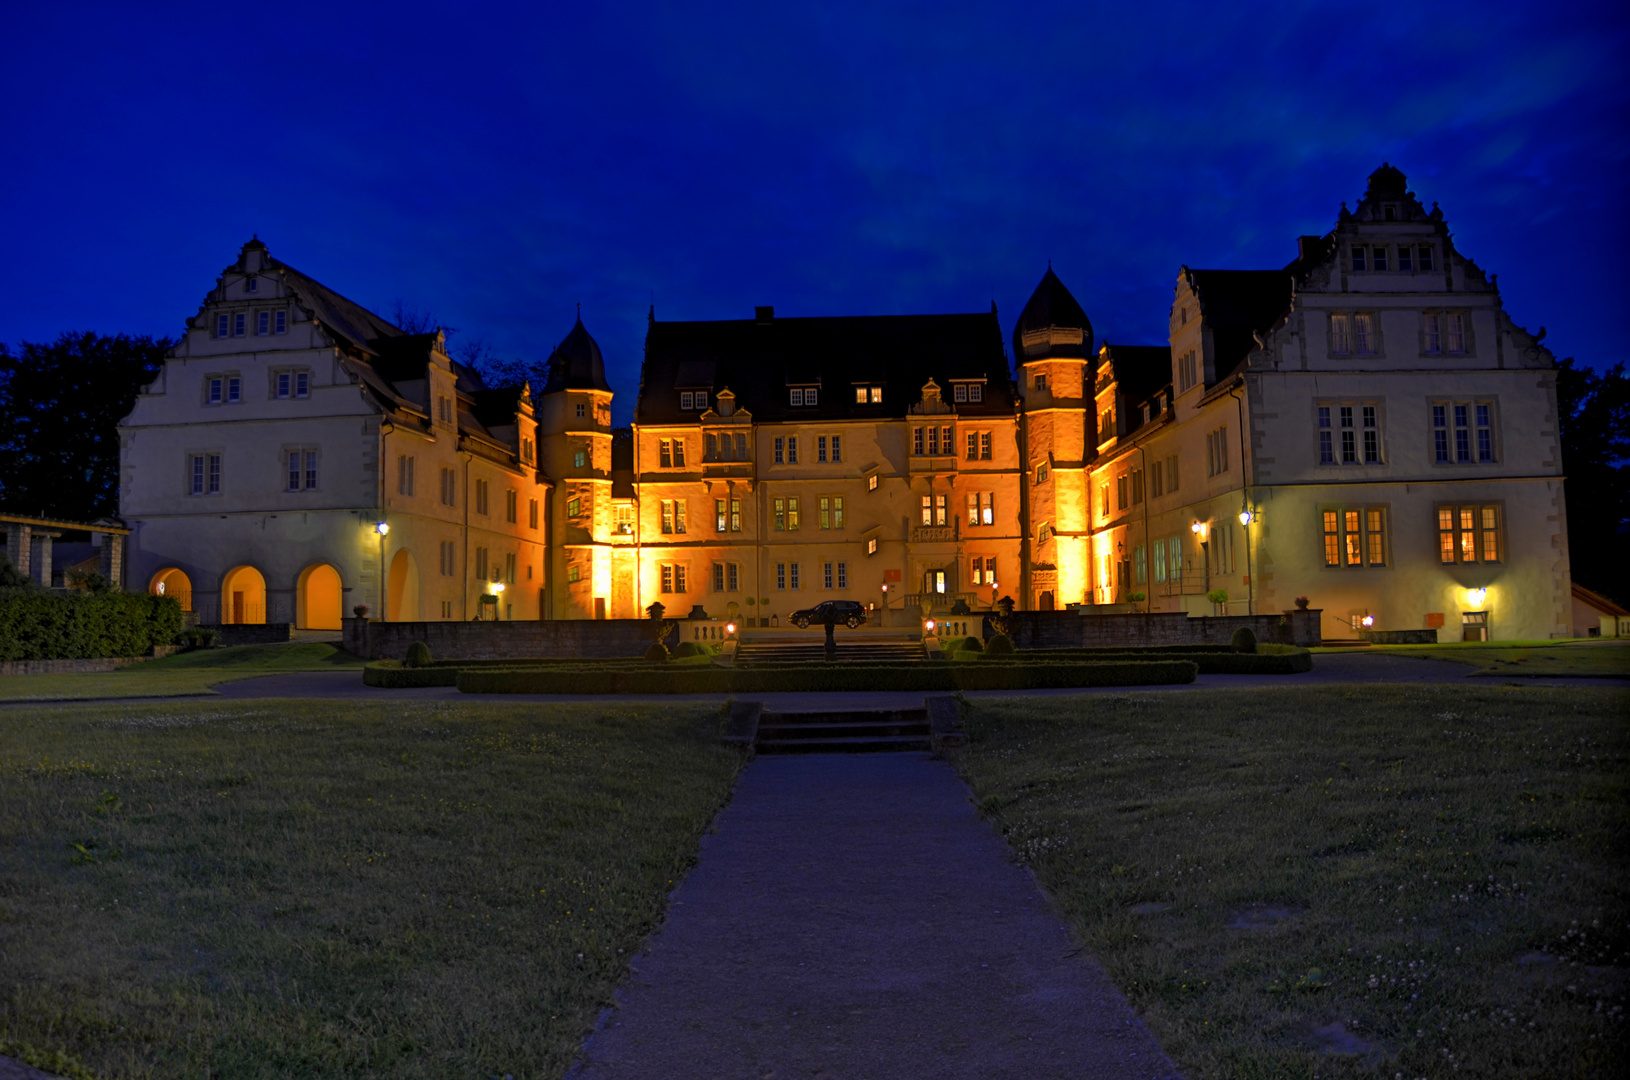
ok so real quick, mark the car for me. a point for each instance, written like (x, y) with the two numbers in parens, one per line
(850, 613)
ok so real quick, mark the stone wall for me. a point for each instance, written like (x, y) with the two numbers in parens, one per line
(252, 633)
(67, 667)
(1074, 630)
(585, 638)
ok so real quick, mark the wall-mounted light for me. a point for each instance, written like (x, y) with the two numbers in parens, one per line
(729, 628)
(497, 587)
(1368, 620)
(1475, 597)
(1200, 528)
(929, 625)
(1245, 517)
(382, 528)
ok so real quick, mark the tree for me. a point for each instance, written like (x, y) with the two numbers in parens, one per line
(1593, 418)
(473, 351)
(60, 406)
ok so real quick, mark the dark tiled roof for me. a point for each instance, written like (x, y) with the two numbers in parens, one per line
(353, 323)
(1237, 305)
(758, 361)
(1051, 305)
(1140, 370)
(576, 363)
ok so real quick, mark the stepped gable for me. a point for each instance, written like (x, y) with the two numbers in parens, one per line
(1140, 370)
(1050, 307)
(760, 359)
(576, 363)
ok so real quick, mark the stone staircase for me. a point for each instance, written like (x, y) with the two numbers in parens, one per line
(842, 732)
(813, 651)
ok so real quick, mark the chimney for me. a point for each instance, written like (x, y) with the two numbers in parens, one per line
(764, 314)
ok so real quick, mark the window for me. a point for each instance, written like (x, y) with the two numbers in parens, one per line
(727, 515)
(792, 449)
(981, 508)
(984, 570)
(1120, 492)
(1425, 252)
(976, 393)
(1470, 534)
(792, 575)
(780, 451)
(1174, 554)
(444, 408)
(843, 575)
(532, 513)
(1158, 563)
(1358, 259)
(512, 500)
(509, 568)
(668, 577)
(280, 322)
(826, 575)
(574, 508)
(574, 574)
(481, 496)
(871, 546)
(831, 510)
(1042, 472)
(780, 575)
(1341, 331)
(1378, 258)
(917, 443)
(481, 564)
(1137, 486)
(1364, 333)
(404, 474)
(251, 284)
(792, 512)
(1217, 452)
(222, 326)
(868, 394)
(804, 396)
(1327, 445)
(301, 469)
(292, 384)
(1473, 426)
(935, 510)
(205, 478)
(673, 516)
(625, 521)
(871, 482)
(1443, 331)
(726, 577)
(527, 452)
(239, 324)
(685, 399)
(1040, 382)
(447, 554)
(1103, 499)
(580, 458)
(972, 393)
(447, 483)
(580, 410)
(1187, 375)
(665, 454)
(1455, 325)
(1355, 536)
(837, 447)
(263, 323)
(1171, 473)
(1140, 567)
(860, 395)
(820, 448)
(1406, 257)
(1157, 481)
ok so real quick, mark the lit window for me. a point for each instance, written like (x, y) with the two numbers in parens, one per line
(574, 574)
(580, 459)
(871, 546)
(1469, 534)
(871, 482)
(860, 395)
(1355, 537)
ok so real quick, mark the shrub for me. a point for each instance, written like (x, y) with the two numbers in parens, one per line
(389, 674)
(36, 624)
(687, 648)
(971, 644)
(999, 645)
(199, 637)
(1244, 640)
(418, 655)
(656, 651)
(1218, 596)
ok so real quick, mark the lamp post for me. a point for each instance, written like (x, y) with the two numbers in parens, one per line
(382, 529)
(1245, 519)
(1202, 530)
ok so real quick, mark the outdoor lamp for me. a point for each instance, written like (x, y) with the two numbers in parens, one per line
(497, 587)
(1477, 596)
(1245, 517)
(382, 528)
(730, 628)
(929, 625)
(1199, 529)
(1368, 620)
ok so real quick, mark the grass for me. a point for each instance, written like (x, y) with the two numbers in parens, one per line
(1589, 658)
(182, 674)
(1341, 882)
(294, 889)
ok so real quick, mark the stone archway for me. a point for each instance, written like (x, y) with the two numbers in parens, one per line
(174, 583)
(318, 593)
(402, 604)
(243, 596)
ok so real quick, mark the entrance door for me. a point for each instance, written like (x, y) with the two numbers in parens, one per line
(934, 581)
(237, 608)
(1474, 626)
(600, 608)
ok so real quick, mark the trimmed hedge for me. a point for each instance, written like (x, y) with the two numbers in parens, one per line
(604, 679)
(392, 675)
(1267, 660)
(36, 624)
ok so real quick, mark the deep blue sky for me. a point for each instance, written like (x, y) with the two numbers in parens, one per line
(497, 164)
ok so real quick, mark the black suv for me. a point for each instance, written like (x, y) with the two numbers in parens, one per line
(850, 613)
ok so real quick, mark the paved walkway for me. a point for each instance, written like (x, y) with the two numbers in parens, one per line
(852, 917)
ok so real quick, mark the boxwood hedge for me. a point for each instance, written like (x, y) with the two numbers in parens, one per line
(36, 624)
(391, 674)
(663, 679)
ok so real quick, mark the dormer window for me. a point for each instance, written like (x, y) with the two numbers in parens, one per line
(693, 400)
(968, 392)
(868, 395)
(252, 284)
(804, 396)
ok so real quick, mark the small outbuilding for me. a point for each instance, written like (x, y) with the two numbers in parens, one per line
(1595, 615)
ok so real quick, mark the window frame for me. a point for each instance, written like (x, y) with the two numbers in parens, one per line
(1356, 536)
(1453, 540)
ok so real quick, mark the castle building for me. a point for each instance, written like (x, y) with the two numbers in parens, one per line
(1364, 427)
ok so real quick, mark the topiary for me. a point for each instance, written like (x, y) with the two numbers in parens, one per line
(999, 645)
(687, 648)
(1244, 640)
(656, 651)
(418, 655)
(971, 644)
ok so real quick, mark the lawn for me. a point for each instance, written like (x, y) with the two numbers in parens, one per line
(294, 889)
(1337, 882)
(183, 673)
(1589, 658)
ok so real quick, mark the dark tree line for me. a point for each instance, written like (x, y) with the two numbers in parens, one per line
(60, 405)
(1593, 413)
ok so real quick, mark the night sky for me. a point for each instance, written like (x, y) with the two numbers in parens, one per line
(500, 164)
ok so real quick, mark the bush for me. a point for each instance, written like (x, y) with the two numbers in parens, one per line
(656, 651)
(390, 674)
(1218, 596)
(821, 678)
(971, 644)
(418, 655)
(36, 624)
(1244, 640)
(686, 648)
(198, 637)
(999, 645)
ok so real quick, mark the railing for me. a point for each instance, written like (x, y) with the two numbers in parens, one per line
(939, 599)
(933, 534)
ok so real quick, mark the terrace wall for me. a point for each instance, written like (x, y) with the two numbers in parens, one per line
(570, 638)
(1075, 629)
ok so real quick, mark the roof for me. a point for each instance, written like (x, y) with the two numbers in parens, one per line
(576, 363)
(1598, 601)
(1051, 305)
(1140, 370)
(759, 360)
(345, 318)
(1237, 305)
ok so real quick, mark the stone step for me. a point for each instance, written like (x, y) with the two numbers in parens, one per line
(913, 729)
(843, 732)
(844, 745)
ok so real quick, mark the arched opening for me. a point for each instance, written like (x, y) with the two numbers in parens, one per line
(243, 596)
(1046, 601)
(403, 602)
(317, 598)
(173, 583)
